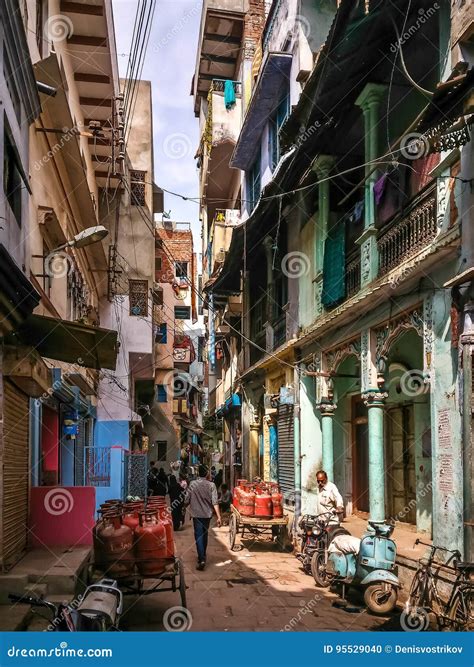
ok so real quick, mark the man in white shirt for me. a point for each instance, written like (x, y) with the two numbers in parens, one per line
(328, 499)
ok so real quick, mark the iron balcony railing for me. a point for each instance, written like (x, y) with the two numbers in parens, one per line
(409, 232)
(353, 273)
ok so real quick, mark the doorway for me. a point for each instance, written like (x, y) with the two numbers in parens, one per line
(360, 455)
(401, 475)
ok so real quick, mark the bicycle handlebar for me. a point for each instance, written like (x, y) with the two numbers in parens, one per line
(434, 548)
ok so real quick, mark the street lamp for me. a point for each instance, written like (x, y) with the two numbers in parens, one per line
(84, 238)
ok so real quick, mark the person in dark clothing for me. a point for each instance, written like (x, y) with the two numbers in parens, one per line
(150, 478)
(218, 479)
(177, 497)
(161, 483)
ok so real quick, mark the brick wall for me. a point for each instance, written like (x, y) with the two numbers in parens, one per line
(175, 244)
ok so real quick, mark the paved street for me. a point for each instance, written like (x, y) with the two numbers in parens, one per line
(256, 588)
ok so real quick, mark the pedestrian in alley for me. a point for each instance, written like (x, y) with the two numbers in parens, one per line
(177, 498)
(328, 498)
(202, 500)
(161, 483)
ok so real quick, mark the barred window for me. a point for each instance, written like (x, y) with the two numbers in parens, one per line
(137, 187)
(138, 296)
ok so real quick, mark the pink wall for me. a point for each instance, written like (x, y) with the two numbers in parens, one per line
(61, 515)
(50, 439)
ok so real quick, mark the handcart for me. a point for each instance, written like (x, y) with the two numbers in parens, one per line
(255, 526)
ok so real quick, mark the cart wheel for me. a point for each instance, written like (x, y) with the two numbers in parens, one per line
(182, 583)
(233, 530)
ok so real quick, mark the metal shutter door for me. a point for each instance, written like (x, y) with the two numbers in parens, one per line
(286, 448)
(15, 475)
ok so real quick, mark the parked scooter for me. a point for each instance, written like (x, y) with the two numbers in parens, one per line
(372, 568)
(317, 532)
(99, 609)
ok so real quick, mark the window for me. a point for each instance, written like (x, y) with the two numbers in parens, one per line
(182, 312)
(11, 85)
(181, 269)
(253, 184)
(157, 263)
(161, 449)
(12, 180)
(275, 124)
(138, 295)
(161, 394)
(161, 335)
(137, 187)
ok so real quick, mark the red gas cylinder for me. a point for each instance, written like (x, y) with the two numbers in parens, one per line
(277, 501)
(150, 544)
(130, 517)
(159, 506)
(116, 546)
(263, 503)
(236, 493)
(247, 500)
(96, 542)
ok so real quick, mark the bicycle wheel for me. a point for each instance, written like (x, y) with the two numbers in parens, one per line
(461, 613)
(418, 589)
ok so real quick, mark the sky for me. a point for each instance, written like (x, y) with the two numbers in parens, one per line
(169, 65)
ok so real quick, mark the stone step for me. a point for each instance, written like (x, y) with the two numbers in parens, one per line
(12, 583)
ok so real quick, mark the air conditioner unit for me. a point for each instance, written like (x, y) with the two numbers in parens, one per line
(270, 403)
(157, 294)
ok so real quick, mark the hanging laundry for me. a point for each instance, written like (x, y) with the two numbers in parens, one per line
(379, 188)
(358, 210)
(229, 95)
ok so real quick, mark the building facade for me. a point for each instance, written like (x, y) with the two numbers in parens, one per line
(352, 262)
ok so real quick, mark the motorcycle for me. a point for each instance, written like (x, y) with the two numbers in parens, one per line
(372, 568)
(317, 532)
(98, 610)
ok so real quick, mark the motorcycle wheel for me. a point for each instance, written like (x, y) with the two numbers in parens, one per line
(379, 600)
(318, 570)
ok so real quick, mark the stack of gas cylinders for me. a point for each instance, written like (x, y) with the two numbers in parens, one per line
(262, 500)
(133, 537)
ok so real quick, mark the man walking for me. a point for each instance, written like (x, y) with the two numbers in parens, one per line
(202, 500)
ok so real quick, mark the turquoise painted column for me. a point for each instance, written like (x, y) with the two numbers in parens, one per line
(369, 101)
(374, 399)
(327, 430)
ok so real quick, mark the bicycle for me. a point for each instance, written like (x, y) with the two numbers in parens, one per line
(458, 612)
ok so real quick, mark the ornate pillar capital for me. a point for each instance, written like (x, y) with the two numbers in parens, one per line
(374, 398)
(327, 408)
(323, 164)
(370, 96)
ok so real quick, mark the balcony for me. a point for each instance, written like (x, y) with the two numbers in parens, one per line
(220, 41)
(409, 232)
(353, 273)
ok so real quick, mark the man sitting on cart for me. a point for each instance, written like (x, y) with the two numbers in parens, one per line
(202, 500)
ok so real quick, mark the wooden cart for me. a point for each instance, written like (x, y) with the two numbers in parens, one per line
(239, 524)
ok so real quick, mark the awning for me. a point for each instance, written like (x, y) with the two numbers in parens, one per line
(74, 343)
(275, 70)
(190, 426)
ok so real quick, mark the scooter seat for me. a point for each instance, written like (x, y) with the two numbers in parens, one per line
(464, 567)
